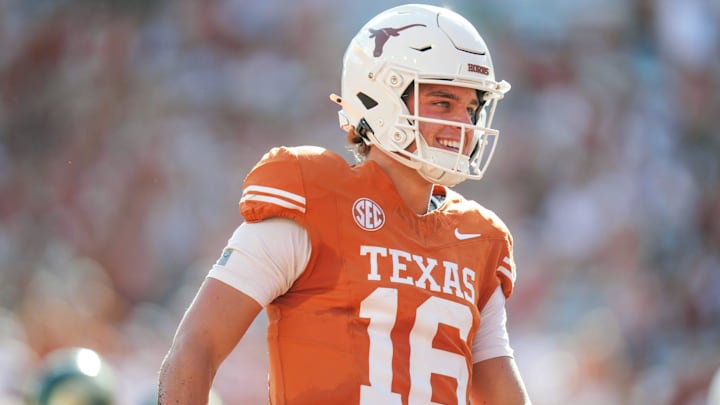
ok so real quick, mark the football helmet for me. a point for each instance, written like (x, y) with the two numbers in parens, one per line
(407, 46)
(74, 376)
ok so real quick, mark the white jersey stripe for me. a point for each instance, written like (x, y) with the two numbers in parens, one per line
(508, 269)
(276, 191)
(272, 200)
(507, 273)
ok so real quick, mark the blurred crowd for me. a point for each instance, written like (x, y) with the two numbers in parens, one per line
(126, 129)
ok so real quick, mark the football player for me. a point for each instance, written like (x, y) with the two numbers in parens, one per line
(381, 284)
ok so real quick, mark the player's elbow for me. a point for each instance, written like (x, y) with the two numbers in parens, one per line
(187, 371)
(189, 351)
(498, 381)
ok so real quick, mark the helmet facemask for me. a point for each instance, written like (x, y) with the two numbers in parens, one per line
(438, 165)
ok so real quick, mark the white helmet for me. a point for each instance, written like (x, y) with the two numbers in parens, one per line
(407, 46)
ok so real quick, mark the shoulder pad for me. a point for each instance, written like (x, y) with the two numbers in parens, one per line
(277, 185)
(274, 187)
(471, 207)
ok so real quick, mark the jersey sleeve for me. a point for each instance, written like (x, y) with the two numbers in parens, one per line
(274, 188)
(263, 259)
(506, 272)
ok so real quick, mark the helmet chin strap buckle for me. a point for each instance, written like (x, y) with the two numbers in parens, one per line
(344, 121)
(344, 116)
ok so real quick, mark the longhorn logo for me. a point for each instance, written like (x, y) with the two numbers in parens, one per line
(383, 34)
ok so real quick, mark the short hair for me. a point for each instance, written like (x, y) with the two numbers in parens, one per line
(358, 145)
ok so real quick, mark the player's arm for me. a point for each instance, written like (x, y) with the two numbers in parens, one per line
(214, 323)
(497, 381)
(495, 377)
(261, 262)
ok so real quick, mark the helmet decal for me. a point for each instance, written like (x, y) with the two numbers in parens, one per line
(383, 34)
(483, 70)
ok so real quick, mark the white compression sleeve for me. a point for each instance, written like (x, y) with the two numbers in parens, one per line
(263, 259)
(492, 338)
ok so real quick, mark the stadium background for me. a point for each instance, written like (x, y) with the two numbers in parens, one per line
(126, 129)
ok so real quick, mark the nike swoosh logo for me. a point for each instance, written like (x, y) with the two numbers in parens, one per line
(463, 236)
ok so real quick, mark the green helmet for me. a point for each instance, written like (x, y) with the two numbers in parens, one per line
(74, 376)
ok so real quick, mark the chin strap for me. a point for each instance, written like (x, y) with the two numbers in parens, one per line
(362, 127)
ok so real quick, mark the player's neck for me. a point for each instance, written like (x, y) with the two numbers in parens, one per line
(413, 188)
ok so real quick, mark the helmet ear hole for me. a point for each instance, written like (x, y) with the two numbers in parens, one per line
(406, 93)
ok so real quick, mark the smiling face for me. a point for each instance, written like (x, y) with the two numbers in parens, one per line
(444, 102)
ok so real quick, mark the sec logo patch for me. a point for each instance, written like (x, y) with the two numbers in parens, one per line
(368, 214)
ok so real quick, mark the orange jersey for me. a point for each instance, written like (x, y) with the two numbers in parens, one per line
(387, 308)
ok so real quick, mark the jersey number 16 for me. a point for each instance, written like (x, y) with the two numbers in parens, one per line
(380, 307)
